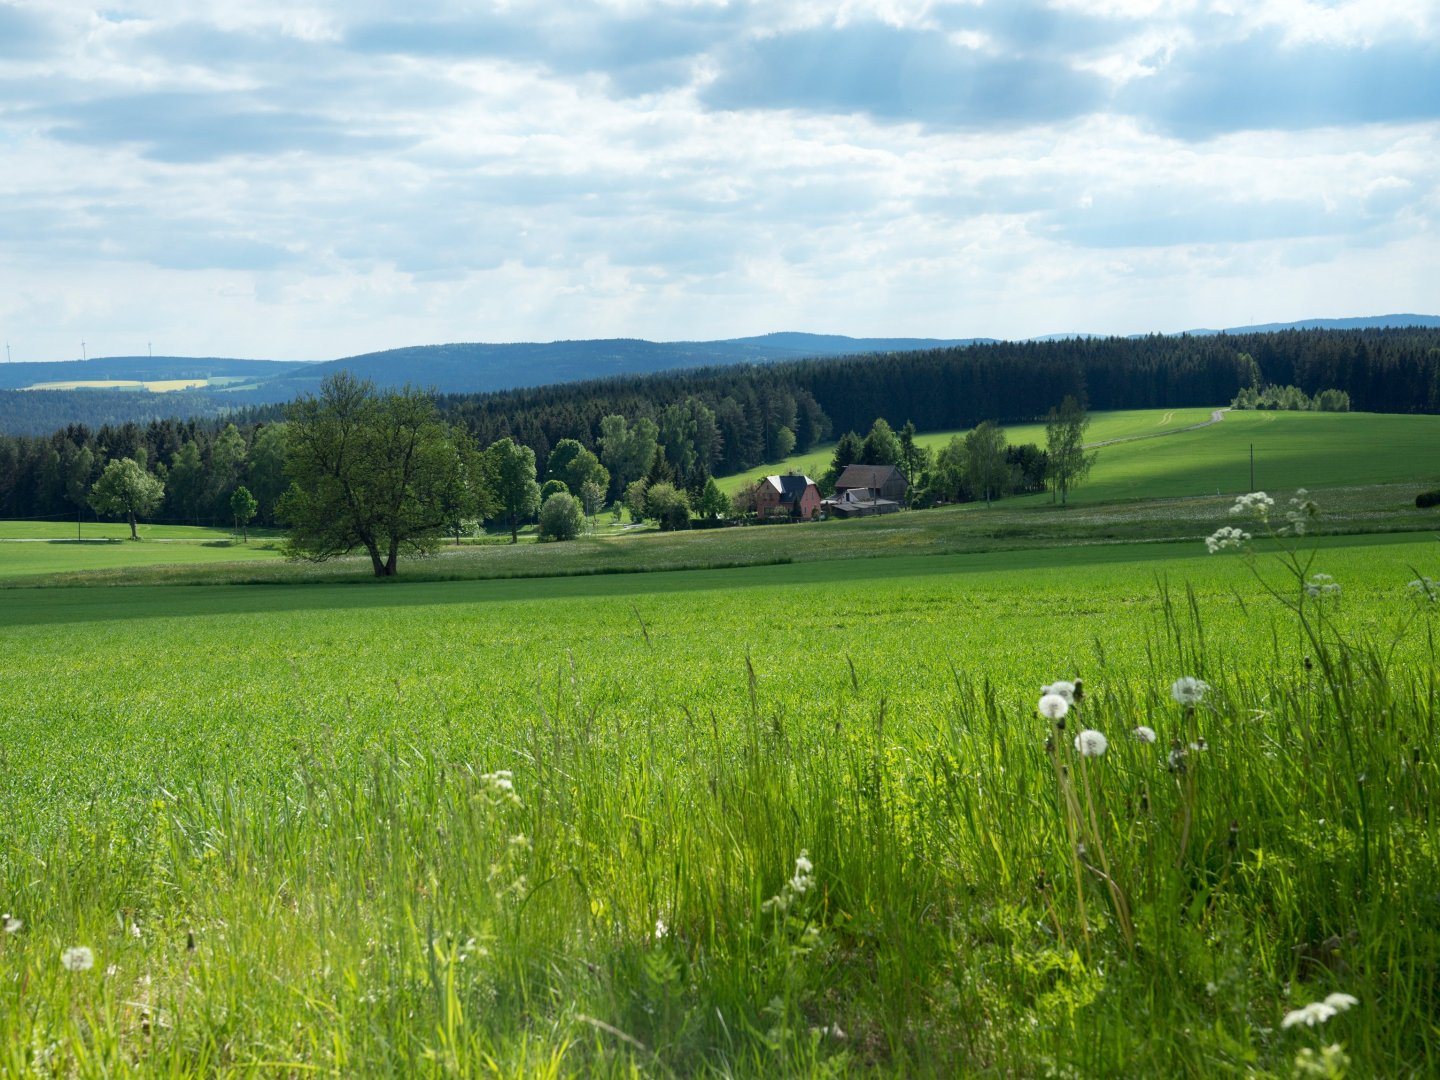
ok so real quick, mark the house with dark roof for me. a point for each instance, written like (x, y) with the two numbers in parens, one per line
(873, 482)
(793, 495)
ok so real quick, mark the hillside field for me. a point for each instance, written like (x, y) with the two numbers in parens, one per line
(1292, 449)
(748, 801)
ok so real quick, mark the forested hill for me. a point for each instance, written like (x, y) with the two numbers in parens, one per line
(1383, 370)
(468, 368)
(722, 420)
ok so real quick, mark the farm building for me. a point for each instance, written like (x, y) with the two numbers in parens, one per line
(873, 482)
(858, 502)
(792, 495)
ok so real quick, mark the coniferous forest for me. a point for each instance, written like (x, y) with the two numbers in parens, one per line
(722, 420)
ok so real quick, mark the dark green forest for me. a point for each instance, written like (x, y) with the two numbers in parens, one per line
(722, 420)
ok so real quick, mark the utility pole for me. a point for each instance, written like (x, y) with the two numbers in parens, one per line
(83, 354)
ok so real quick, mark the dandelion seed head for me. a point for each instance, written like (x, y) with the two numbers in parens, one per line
(1061, 688)
(1145, 734)
(1053, 707)
(1188, 690)
(77, 958)
(11, 923)
(1091, 743)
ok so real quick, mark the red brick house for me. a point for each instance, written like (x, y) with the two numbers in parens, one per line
(793, 495)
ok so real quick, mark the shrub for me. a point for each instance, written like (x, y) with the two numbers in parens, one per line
(561, 518)
(1427, 499)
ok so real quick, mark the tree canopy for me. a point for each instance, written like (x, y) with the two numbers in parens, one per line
(126, 490)
(374, 470)
(1068, 460)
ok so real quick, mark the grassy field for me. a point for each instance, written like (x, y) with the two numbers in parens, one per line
(745, 802)
(1291, 450)
(556, 826)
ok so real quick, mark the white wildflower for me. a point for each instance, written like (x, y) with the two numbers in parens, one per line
(1225, 537)
(802, 879)
(661, 929)
(1341, 1002)
(77, 958)
(1257, 502)
(1425, 588)
(1061, 688)
(1145, 734)
(1188, 690)
(1317, 1012)
(1053, 707)
(1321, 585)
(12, 924)
(1091, 743)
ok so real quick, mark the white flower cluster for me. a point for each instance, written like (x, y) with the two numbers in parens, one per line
(800, 883)
(1317, 1012)
(1257, 503)
(1225, 537)
(11, 923)
(1322, 585)
(499, 786)
(1299, 511)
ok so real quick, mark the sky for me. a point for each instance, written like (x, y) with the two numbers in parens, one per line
(300, 179)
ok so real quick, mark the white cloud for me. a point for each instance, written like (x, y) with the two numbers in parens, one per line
(310, 180)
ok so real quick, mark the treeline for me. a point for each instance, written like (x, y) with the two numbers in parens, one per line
(685, 427)
(1382, 370)
(200, 463)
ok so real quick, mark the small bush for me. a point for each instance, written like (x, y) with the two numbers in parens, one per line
(1427, 499)
(561, 518)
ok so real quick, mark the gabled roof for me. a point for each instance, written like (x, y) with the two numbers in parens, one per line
(867, 476)
(791, 486)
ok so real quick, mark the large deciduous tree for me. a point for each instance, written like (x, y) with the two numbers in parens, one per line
(511, 467)
(987, 472)
(374, 470)
(126, 490)
(1068, 462)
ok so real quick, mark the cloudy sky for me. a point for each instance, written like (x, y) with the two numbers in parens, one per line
(305, 179)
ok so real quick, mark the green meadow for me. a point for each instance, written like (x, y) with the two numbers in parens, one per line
(747, 802)
(1159, 459)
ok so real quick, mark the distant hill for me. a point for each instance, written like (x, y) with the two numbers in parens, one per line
(479, 367)
(19, 376)
(1368, 322)
(458, 368)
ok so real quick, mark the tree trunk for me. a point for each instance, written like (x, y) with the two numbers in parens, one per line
(514, 528)
(131, 515)
(391, 564)
(375, 561)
